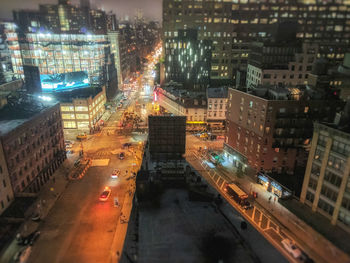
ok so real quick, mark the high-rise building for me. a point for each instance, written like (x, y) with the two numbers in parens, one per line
(334, 78)
(187, 60)
(233, 25)
(269, 128)
(119, 50)
(326, 186)
(61, 53)
(64, 18)
(6, 71)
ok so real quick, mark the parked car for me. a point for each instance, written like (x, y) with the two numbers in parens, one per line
(126, 145)
(291, 247)
(247, 205)
(22, 255)
(115, 174)
(122, 156)
(105, 194)
(34, 237)
(82, 136)
(36, 216)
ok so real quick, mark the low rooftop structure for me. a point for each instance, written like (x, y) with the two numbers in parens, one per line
(20, 109)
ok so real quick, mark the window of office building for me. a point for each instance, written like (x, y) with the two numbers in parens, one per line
(81, 108)
(82, 116)
(344, 217)
(325, 206)
(312, 183)
(69, 124)
(68, 116)
(67, 108)
(310, 196)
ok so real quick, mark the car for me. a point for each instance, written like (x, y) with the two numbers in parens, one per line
(36, 216)
(17, 257)
(69, 146)
(246, 205)
(122, 156)
(105, 194)
(291, 248)
(115, 174)
(34, 237)
(81, 136)
(126, 145)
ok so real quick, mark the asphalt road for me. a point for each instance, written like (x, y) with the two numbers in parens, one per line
(80, 228)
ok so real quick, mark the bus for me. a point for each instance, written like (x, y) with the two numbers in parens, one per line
(236, 193)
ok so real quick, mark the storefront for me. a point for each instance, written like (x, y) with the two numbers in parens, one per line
(264, 181)
(272, 186)
(235, 158)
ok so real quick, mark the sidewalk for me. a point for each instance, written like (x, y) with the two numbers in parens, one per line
(303, 233)
(46, 199)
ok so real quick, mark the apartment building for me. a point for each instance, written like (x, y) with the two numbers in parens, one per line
(6, 193)
(268, 128)
(32, 142)
(326, 186)
(280, 63)
(217, 107)
(232, 25)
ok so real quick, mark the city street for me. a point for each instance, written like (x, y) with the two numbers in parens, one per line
(271, 219)
(80, 227)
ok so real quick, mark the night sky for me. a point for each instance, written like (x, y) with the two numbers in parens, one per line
(151, 8)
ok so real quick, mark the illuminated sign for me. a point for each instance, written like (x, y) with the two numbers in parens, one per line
(64, 82)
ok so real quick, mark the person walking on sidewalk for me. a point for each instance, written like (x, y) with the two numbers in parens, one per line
(270, 199)
(274, 199)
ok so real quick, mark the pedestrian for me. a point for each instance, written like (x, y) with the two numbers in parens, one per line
(270, 199)
(274, 199)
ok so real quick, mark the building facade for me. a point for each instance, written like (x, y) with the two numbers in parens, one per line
(83, 113)
(61, 53)
(280, 64)
(64, 18)
(178, 103)
(6, 193)
(232, 25)
(217, 107)
(326, 186)
(118, 48)
(269, 128)
(188, 60)
(33, 148)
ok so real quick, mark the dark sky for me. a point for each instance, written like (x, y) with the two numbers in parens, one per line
(151, 8)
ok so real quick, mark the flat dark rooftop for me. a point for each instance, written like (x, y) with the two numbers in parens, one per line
(12, 116)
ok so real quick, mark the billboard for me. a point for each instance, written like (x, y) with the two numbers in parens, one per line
(64, 81)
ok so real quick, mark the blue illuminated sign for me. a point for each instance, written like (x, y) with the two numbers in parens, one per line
(64, 82)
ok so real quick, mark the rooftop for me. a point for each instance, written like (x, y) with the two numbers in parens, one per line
(69, 96)
(217, 92)
(280, 92)
(184, 97)
(21, 108)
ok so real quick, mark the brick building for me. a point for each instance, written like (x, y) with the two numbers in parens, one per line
(270, 128)
(31, 136)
